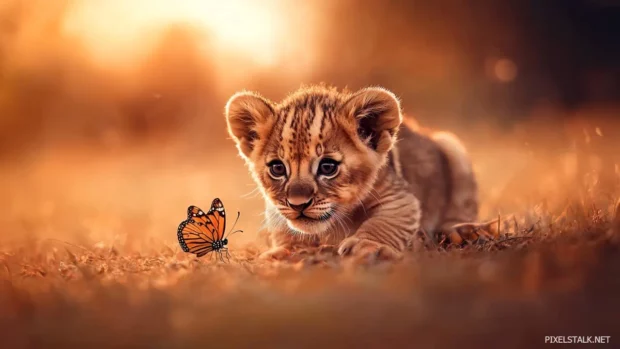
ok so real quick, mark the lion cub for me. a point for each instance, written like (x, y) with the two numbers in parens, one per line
(341, 168)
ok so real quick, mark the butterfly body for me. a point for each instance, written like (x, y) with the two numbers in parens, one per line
(202, 233)
(218, 245)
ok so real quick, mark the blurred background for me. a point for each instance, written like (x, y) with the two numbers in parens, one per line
(111, 112)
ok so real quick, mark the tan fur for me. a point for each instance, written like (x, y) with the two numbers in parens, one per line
(389, 182)
(464, 189)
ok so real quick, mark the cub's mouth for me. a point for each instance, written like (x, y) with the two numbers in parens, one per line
(309, 224)
(321, 218)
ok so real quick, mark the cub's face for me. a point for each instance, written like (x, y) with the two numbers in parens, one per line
(315, 155)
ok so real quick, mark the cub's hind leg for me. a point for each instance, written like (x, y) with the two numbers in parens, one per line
(462, 207)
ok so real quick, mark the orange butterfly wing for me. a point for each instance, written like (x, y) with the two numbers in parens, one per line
(198, 232)
(217, 218)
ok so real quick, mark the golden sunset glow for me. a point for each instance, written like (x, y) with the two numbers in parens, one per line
(116, 30)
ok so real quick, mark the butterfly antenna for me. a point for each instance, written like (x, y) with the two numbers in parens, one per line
(236, 231)
(233, 227)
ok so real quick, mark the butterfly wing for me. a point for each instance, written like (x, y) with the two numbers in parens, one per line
(217, 218)
(194, 233)
(198, 232)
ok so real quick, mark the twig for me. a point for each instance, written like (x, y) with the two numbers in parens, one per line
(516, 223)
(68, 243)
(499, 227)
(517, 238)
(495, 243)
(8, 270)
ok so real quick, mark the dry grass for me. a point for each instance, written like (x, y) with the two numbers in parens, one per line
(90, 260)
(510, 292)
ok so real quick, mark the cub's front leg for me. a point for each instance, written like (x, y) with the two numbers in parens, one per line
(282, 242)
(386, 233)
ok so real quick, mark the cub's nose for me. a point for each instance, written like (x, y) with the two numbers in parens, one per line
(299, 195)
(299, 207)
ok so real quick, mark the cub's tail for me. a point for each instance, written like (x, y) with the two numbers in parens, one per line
(463, 206)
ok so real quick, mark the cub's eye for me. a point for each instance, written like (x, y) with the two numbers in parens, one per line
(277, 168)
(328, 167)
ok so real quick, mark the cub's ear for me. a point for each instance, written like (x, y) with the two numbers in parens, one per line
(249, 117)
(376, 112)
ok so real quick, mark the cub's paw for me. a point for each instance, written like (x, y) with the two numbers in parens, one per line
(457, 234)
(364, 248)
(277, 253)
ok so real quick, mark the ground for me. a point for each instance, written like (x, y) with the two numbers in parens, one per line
(89, 258)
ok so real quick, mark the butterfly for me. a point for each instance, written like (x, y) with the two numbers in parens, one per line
(202, 233)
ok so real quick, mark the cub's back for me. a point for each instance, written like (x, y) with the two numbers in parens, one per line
(423, 165)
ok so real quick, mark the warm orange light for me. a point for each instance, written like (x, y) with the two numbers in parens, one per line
(505, 70)
(116, 30)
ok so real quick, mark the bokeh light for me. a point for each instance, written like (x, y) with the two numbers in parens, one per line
(117, 29)
(505, 70)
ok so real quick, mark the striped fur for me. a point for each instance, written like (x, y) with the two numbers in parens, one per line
(380, 196)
